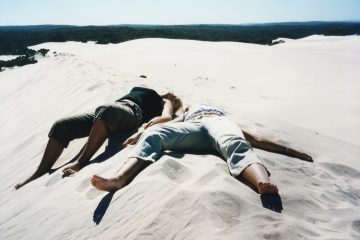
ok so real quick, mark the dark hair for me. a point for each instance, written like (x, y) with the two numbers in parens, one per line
(180, 101)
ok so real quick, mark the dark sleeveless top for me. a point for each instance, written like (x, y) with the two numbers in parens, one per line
(148, 100)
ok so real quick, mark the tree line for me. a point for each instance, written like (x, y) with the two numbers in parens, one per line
(14, 40)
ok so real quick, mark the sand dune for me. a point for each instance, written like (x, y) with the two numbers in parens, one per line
(302, 93)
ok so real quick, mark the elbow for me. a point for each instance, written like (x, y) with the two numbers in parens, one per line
(166, 118)
(255, 141)
(258, 139)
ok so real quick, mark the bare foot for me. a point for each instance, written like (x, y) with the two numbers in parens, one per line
(106, 184)
(267, 188)
(73, 168)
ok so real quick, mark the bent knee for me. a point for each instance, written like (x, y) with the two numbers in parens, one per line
(235, 143)
(59, 131)
(59, 126)
(153, 136)
(104, 111)
(116, 117)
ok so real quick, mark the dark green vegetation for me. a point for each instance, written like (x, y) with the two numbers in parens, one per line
(15, 39)
(27, 57)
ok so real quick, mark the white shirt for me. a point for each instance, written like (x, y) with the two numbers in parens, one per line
(202, 110)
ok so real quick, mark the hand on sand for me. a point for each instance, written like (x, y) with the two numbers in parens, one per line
(304, 157)
(148, 124)
(133, 139)
(72, 169)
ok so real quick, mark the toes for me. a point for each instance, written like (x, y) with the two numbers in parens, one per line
(263, 185)
(99, 178)
(96, 181)
(267, 188)
(93, 182)
(95, 177)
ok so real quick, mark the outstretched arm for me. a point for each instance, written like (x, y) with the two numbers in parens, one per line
(271, 146)
(165, 117)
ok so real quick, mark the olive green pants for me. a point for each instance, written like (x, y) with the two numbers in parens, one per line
(118, 116)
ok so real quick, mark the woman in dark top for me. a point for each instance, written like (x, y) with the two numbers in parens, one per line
(141, 105)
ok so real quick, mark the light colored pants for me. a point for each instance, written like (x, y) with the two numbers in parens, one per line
(207, 135)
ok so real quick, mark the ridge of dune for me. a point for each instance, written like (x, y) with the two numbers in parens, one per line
(302, 93)
(297, 78)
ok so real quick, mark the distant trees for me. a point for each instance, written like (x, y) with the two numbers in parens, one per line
(27, 58)
(15, 40)
(43, 51)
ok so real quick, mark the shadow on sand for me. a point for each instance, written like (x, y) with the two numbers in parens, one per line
(102, 207)
(114, 146)
(272, 202)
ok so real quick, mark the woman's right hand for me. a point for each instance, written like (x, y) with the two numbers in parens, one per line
(149, 124)
(303, 156)
(132, 140)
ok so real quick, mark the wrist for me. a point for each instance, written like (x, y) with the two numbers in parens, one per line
(286, 151)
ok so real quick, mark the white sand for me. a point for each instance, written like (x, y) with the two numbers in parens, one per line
(302, 93)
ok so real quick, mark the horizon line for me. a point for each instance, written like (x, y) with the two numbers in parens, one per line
(187, 24)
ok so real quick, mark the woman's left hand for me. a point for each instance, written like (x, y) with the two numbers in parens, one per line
(148, 124)
(132, 140)
(154, 121)
(304, 157)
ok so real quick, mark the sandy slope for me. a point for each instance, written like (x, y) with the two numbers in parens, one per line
(303, 93)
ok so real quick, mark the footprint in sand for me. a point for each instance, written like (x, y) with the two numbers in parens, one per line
(53, 180)
(84, 184)
(325, 175)
(350, 195)
(92, 88)
(94, 193)
(175, 171)
(204, 180)
(356, 225)
(224, 207)
(342, 170)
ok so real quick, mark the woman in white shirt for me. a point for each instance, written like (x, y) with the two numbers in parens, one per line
(201, 129)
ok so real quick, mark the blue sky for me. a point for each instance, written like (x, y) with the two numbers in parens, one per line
(105, 12)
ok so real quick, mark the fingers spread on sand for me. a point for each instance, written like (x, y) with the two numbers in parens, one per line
(72, 169)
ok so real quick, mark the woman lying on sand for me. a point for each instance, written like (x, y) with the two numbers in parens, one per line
(202, 128)
(129, 112)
